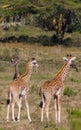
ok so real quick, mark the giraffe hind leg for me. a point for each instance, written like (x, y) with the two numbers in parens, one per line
(43, 100)
(42, 104)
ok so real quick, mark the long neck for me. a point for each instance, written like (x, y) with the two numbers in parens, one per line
(16, 70)
(27, 75)
(63, 71)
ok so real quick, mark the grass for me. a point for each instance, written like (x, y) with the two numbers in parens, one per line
(69, 92)
(25, 30)
(50, 61)
(73, 80)
(74, 118)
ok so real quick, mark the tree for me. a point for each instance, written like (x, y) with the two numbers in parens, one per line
(60, 25)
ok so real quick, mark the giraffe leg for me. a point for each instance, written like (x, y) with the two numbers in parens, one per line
(19, 105)
(42, 111)
(57, 98)
(27, 107)
(56, 115)
(8, 108)
(47, 103)
(59, 110)
(13, 105)
(47, 112)
(8, 103)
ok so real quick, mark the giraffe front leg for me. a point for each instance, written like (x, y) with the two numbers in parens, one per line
(19, 105)
(47, 113)
(47, 103)
(59, 109)
(27, 107)
(56, 115)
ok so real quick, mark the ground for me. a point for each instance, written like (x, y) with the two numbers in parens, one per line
(50, 61)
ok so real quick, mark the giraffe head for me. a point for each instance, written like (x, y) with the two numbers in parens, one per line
(69, 59)
(32, 63)
(15, 60)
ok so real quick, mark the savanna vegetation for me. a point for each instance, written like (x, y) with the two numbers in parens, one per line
(50, 61)
(60, 18)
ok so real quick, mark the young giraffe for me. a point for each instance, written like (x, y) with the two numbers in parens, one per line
(18, 88)
(15, 61)
(54, 88)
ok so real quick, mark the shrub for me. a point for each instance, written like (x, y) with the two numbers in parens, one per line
(44, 40)
(69, 92)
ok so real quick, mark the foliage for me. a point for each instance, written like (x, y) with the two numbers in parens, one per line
(42, 13)
(60, 25)
(69, 92)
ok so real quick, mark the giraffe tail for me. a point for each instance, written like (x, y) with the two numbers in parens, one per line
(9, 98)
(43, 100)
(41, 104)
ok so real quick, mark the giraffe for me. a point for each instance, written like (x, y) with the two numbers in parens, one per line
(54, 88)
(19, 88)
(15, 61)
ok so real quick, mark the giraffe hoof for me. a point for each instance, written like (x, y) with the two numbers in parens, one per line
(13, 120)
(7, 120)
(16, 119)
(30, 122)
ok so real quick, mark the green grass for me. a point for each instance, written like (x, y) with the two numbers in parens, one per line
(74, 118)
(1, 129)
(34, 88)
(76, 124)
(69, 92)
(73, 80)
(74, 113)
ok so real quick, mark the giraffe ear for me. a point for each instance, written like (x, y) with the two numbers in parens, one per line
(73, 58)
(65, 59)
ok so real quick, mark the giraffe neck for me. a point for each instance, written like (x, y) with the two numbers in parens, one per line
(16, 70)
(27, 75)
(63, 71)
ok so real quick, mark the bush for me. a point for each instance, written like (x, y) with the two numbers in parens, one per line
(74, 27)
(44, 40)
(69, 92)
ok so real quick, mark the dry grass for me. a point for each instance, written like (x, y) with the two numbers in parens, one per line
(50, 61)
